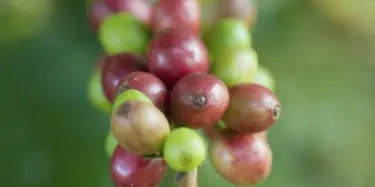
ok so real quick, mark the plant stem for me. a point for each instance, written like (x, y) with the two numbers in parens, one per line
(189, 179)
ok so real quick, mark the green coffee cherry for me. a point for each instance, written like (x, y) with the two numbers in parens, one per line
(236, 66)
(110, 144)
(225, 34)
(184, 150)
(265, 78)
(130, 95)
(123, 32)
(96, 94)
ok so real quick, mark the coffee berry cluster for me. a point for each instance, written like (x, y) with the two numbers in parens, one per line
(169, 86)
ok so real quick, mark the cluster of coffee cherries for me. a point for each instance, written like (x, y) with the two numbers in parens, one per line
(168, 88)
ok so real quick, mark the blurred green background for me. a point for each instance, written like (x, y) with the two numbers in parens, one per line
(322, 54)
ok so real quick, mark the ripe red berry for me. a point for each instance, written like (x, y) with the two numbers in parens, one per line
(175, 53)
(139, 8)
(252, 108)
(148, 84)
(199, 100)
(98, 11)
(130, 169)
(243, 159)
(214, 132)
(176, 14)
(115, 68)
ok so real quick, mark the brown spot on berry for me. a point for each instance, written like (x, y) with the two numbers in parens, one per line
(199, 100)
(276, 112)
(123, 87)
(124, 109)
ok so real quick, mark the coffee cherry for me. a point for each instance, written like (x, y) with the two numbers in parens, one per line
(264, 135)
(252, 108)
(236, 65)
(115, 68)
(265, 78)
(226, 34)
(184, 150)
(129, 169)
(139, 8)
(243, 159)
(122, 32)
(241, 9)
(130, 95)
(211, 133)
(148, 84)
(98, 12)
(199, 100)
(110, 144)
(175, 53)
(140, 127)
(215, 132)
(96, 94)
(176, 14)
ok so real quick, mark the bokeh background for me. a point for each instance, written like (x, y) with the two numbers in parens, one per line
(322, 54)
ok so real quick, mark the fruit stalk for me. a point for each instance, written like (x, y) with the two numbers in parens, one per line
(188, 179)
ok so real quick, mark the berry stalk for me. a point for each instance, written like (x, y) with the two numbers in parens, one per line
(188, 179)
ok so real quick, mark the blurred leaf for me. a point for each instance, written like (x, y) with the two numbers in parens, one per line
(21, 20)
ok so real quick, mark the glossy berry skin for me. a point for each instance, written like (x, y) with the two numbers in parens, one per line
(96, 94)
(242, 159)
(146, 83)
(199, 100)
(184, 150)
(252, 108)
(264, 135)
(175, 53)
(110, 144)
(139, 8)
(98, 12)
(227, 33)
(129, 95)
(115, 68)
(176, 14)
(129, 169)
(123, 33)
(265, 78)
(236, 65)
(213, 133)
(140, 127)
